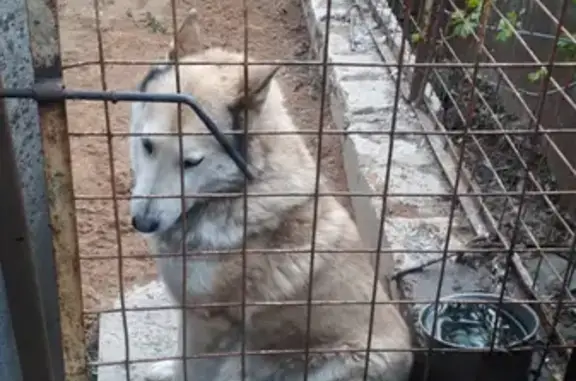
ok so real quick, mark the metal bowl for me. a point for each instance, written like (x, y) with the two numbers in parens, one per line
(499, 365)
(521, 314)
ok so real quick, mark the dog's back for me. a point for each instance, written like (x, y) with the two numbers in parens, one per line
(275, 276)
(344, 282)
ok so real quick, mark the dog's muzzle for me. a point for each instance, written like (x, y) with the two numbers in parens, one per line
(145, 225)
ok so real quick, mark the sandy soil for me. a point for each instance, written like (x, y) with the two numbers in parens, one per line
(141, 29)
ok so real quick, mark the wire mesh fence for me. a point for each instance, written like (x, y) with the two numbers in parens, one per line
(492, 82)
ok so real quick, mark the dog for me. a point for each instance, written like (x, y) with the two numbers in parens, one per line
(276, 282)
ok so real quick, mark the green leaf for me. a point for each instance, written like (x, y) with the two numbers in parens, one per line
(464, 24)
(564, 43)
(567, 46)
(472, 4)
(415, 38)
(504, 31)
(512, 18)
(538, 74)
(467, 28)
(458, 15)
(506, 26)
(475, 15)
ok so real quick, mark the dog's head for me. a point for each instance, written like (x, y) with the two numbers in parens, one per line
(158, 160)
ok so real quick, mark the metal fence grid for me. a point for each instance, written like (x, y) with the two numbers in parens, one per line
(503, 193)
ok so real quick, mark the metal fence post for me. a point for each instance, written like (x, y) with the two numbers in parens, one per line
(18, 269)
(20, 130)
(46, 61)
(431, 22)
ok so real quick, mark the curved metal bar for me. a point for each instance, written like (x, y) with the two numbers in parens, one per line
(54, 91)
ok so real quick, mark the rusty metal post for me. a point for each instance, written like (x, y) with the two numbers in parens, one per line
(46, 61)
(432, 20)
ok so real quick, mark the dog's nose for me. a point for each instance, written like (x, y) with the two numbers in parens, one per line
(145, 225)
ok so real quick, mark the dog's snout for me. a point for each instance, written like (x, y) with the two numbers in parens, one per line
(145, 225)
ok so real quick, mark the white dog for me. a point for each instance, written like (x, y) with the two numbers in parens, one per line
(280, 163)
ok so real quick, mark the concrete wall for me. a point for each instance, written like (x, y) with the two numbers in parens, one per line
(16, 71)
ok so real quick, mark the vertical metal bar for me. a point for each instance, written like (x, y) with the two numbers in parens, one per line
(486, 6)
(18, 270)
(435, 20)
(245, 131)
(183, 247)
(384, 205)
(323, 100)
(570, 268)
(112, 169)
(45, 49)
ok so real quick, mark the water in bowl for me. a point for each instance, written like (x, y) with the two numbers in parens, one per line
(472, 326)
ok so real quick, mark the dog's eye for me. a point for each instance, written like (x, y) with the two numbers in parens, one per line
(148, 146)
(191, 163)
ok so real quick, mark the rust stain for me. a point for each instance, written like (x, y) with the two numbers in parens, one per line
(45, 50)
(63, 221)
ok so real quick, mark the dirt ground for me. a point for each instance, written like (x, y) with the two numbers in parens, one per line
(496, 167)
(142, 29)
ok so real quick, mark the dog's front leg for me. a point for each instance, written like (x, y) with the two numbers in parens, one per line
(200, 337)
(169, 370)
(197, 338)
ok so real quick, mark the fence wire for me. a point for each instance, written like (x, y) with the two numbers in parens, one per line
(510, 163)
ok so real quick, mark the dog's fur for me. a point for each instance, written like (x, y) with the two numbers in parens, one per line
(280, 163)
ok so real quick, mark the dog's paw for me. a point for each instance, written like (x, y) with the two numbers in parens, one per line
(161, 371)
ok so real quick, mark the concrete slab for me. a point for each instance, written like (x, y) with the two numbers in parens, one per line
(362, 101)
(152, 333)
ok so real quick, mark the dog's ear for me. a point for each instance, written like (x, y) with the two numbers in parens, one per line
(188, 37)
(259, 79)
